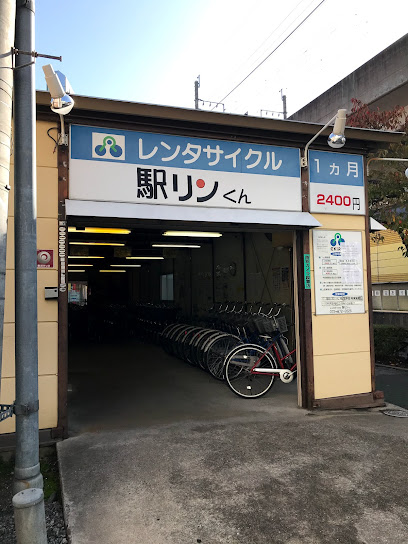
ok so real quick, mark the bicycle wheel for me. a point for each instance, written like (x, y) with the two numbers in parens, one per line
(178, 340)
(167, 329)
(201, 345)
(186, 345)
(216, 353)
(193, 345)
(173, 336)
(238, 367)
(166, 337)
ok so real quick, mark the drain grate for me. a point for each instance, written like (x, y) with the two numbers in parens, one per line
(395, 413)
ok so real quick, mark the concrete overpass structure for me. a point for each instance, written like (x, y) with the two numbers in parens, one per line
(381, 82)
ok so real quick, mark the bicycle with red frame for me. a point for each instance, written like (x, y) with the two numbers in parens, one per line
(250, 369)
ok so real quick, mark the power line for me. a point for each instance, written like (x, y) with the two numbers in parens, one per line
(272, 52)
(278, 26)
(273, 32)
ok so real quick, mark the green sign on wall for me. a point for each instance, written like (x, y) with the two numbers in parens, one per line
(306, 260)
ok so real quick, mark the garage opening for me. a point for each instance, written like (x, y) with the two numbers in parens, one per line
(157, 312)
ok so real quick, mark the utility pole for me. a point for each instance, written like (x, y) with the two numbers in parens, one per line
(196, 87)
(28, 500)
(27, 469)
(7, 24)
(285, 111)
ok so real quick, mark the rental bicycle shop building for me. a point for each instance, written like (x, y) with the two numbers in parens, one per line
(151, 213)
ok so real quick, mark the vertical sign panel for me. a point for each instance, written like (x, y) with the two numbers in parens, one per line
(306, 261)
(339, 284)
(336, 183)
(62, 255)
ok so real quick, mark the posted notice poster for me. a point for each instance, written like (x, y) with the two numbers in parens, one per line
(338, 264)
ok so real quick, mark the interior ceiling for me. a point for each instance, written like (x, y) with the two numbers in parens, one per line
(138, 240)
(155, 228)
(144, 234)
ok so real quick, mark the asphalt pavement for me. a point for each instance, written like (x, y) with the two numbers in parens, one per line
(176, 458)
(394, 383)
(277, 477)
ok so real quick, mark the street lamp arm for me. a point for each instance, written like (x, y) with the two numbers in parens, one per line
(336, 138)
(303, 160)
(383, 159)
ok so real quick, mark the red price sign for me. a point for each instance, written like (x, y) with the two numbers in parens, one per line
(336, 200)
(344, 201)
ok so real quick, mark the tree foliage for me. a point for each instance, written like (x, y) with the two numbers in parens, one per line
(388, 185)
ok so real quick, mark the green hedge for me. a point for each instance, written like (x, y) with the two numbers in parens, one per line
(388, 342)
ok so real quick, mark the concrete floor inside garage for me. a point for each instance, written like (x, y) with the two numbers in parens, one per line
(118, 382)
(136, 385)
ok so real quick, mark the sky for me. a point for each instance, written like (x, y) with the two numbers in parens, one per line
(152, 51)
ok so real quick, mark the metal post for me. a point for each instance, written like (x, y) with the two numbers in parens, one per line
(27, 469)
(285, 111)
(7, 23)
(196, 86)
(29, 515)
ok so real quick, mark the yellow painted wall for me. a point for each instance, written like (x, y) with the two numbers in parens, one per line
(340, 367)
(388, 263)
(47, 228)
(341, 343)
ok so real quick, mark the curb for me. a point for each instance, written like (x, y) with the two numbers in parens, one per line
(391, 366)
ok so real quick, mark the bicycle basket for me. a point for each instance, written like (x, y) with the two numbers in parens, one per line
(251, 324)
(264, 325)
(268, 325)
(282, 324)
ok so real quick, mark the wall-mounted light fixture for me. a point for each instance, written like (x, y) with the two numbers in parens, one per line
(336, 138)
(61, 102)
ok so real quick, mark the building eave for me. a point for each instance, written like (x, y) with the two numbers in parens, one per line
(225, 125)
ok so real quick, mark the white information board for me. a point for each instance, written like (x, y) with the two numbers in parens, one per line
(338, 268)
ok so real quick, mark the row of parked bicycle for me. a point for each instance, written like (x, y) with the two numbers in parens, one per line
(247, 349)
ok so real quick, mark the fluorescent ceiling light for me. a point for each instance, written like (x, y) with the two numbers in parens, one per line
(84, 257)
(127, 265)
(98, 230)
(176, 245)
(192, 234)
(112, 271)
(73, 264)
(155, 258)
(95, 244)
(76, 270)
